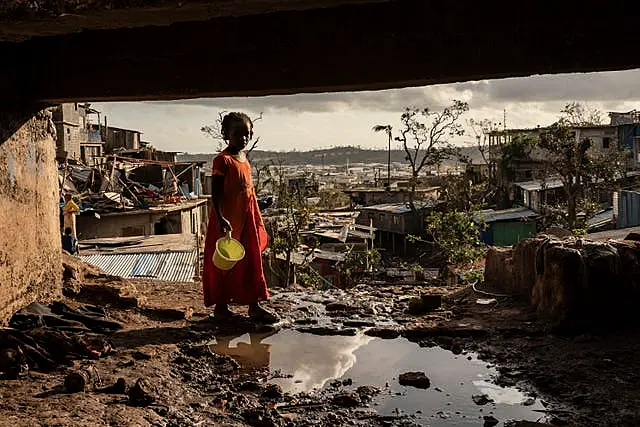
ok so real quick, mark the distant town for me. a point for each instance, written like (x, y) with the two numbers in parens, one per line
(358, 199)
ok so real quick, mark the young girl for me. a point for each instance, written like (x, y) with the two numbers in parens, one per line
(235, 209)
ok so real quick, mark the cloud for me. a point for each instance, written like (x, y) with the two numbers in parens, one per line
(607, 86)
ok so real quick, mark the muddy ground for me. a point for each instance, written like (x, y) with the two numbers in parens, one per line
(585, 379)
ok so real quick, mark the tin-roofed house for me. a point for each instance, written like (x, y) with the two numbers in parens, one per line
(506, 227)
(394, 222)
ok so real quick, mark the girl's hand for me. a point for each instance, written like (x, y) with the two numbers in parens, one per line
(225, 225)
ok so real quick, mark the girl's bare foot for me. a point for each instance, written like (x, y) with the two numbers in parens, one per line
(261, 314)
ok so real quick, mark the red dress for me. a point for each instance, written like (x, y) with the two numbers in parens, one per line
(244, 283)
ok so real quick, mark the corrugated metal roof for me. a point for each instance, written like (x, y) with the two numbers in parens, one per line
(170, 266)
(538, 184)
(504, 215)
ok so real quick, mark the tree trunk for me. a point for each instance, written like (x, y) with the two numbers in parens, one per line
(571, 211)
(288, 269)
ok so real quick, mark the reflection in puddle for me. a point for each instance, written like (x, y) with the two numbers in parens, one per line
(312, 361)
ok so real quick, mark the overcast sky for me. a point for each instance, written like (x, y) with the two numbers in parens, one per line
(309, 121)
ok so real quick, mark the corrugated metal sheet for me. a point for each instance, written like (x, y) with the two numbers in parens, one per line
(491, 215)
(548, 184)
(171, 266)
(626, 206)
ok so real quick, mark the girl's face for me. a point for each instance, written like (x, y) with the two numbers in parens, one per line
(239, 134)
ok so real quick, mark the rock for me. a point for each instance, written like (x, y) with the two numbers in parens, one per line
(424, 304)
(414, 379)
(498, 268)
(140, 355)
(347, 382)
(347, 399)
(78, 381)
(272, 391)
(329, 330)
(383, 332)
(367, 392)
(481, 399)
(490, 421)
(142, 393)
(252, 386)
(358, 323)
(338, 306)
(524, 262)
(120, 387)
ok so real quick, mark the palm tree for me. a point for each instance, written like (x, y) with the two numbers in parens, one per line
(387, 129)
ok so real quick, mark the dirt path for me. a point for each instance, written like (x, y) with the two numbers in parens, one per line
(588, 379)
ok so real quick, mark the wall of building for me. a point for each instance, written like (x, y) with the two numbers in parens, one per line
(90, 227)
(30, 265)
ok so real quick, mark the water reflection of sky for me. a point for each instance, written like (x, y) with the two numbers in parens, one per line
(315, 360)
(312, 360)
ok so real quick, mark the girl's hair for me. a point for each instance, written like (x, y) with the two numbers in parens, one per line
(234, 117)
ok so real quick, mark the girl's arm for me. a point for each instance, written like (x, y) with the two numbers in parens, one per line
(217, 189)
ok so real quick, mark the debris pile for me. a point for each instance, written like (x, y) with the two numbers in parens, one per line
(125, 183)
(43, 337)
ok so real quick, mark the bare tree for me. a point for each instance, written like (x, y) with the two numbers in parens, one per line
(481, 129)
(215, 131)
(582, 171)
(388, 130)
(578, 114)
(425, 135)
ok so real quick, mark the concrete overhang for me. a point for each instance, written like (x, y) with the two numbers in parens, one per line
(158, 49)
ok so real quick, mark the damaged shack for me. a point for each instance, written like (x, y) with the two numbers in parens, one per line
(135, 196)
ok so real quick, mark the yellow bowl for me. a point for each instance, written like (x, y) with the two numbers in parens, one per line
(228, 252)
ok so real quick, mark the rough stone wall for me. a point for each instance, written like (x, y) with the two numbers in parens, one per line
(30, 244)
(574, 282)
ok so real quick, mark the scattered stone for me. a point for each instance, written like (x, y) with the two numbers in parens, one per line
(414, 379)
(252, 386)
(142, 393)
(358, 323)
(424, 304)
(347, 382)
(490, 421)
(306, 321)
(329, 330)
(338, 306)
(456, 348)
(384, 333)
(336, 383)
(140, 355)
(367, 392)
(78, 381)
(120, 387)
(273, 391)
(481, 399)
(347, 399)
(438, 389)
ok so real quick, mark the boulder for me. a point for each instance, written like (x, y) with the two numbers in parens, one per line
(498, 268)
(560, 290)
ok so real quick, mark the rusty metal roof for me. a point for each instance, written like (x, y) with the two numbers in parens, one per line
(170, 266)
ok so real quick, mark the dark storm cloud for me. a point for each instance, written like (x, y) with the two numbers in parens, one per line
(608, 86)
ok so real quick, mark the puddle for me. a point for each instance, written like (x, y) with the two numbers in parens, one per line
(312, 362)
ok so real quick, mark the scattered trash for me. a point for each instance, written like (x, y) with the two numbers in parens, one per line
(486, 301)
(78, 381)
